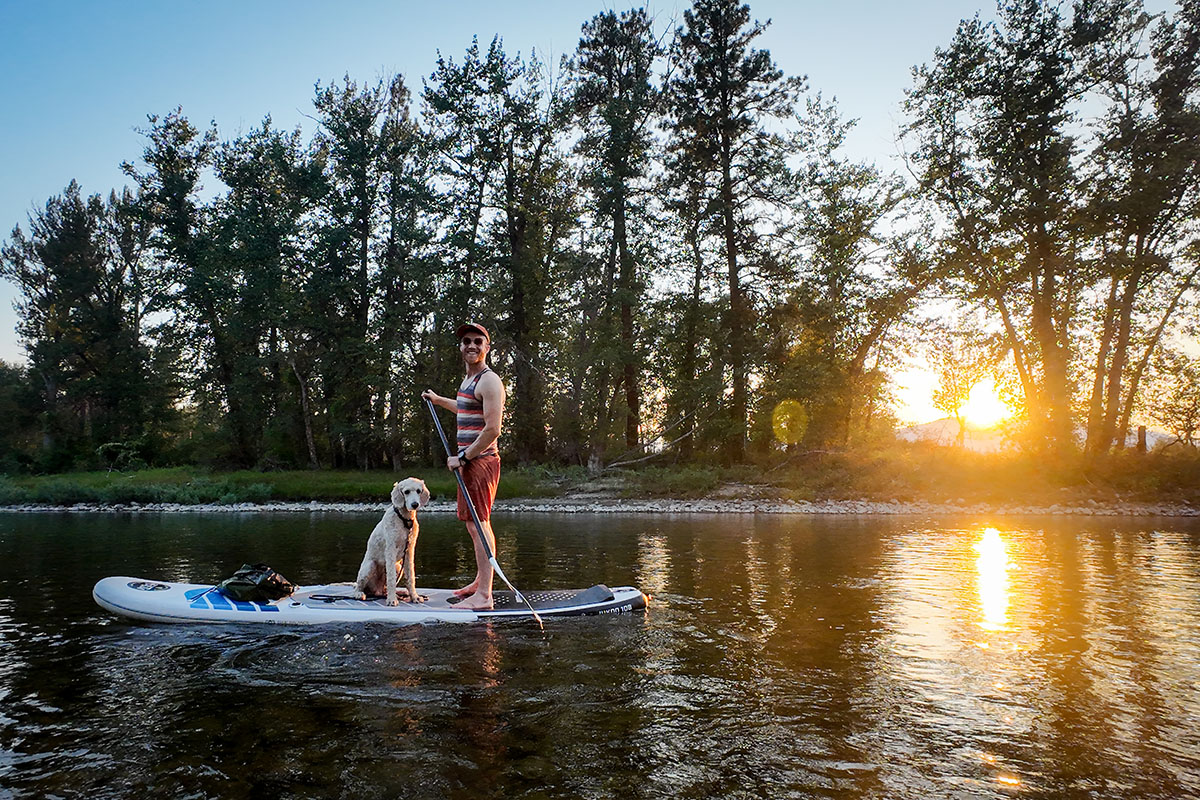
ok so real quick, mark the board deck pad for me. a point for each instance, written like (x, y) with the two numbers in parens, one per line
(545, 600)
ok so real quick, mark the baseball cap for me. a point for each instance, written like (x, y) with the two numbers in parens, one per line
(472, 326)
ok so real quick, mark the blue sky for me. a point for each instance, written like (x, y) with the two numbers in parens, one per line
(80, 77)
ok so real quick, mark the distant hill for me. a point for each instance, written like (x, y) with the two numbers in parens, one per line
(944, 432)
(990, 440)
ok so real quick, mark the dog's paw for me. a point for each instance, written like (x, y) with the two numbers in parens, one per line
(393, 601)
(422, 598)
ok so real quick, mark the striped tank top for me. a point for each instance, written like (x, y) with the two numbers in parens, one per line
(470, 415)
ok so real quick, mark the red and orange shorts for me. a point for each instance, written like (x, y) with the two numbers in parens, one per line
(482, 477)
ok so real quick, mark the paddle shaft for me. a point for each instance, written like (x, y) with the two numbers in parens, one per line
(462, 487)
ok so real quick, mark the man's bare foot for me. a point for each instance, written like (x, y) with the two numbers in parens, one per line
(467, 590)
(476, 603)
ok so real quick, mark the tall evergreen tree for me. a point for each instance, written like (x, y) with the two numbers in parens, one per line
(726, 101)
(499, 123)
(352, 141)
(78, 320)
(616, 99)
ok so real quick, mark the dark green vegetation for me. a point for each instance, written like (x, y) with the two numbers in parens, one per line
(193, 486)
(668, 243)
(902, 472)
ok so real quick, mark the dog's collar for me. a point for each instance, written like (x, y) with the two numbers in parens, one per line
(408, 521)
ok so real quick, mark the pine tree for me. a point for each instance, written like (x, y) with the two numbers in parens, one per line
(616, 100)
(725, 98)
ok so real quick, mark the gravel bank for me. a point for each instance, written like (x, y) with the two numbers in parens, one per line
(611, 505)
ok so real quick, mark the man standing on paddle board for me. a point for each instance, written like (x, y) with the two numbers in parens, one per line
(480, 407)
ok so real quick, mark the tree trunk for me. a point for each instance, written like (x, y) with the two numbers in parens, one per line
(1136, 379)
(306, 413)
(628, 349)
(687, 366)
(528, 429)
(1095, 445)
(1116, 368)
(735, 444)
(1054, 358)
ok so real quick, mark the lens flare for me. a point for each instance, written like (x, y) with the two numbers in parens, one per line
(790, 421)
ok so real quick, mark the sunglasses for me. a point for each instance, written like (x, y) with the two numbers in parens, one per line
(477, 341)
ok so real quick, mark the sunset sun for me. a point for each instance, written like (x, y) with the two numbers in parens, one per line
(984, 408)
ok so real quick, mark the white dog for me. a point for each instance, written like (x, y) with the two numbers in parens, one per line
(391, 545)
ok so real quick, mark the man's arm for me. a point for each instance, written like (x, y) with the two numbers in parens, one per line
(490, 390)
(444, 402)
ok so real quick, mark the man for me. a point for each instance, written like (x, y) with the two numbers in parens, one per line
(480, 407)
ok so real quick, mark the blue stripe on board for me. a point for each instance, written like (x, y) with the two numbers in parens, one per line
(242, 605)
(266, 606)
(219, 600)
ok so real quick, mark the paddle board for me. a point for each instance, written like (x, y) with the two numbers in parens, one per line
(163, 601)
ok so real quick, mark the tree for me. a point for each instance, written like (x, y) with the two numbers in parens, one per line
(19, 411)
(499, 123)
(78, 318)
(1175, 400)
(616, 99)
(960, 360)
(724, 97)
(466, 116)
(858, 270)
(991, 118)
(257, 250)
(354, 141)
(1077, 242)
(687, 349)
(201, 291)
(1145, 187)
(408, 268)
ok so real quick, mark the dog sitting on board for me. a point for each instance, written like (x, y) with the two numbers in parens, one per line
(391, 545)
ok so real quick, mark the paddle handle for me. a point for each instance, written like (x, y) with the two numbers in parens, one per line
(462, 487)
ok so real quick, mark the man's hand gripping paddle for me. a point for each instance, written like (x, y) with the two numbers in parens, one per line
(462, 487)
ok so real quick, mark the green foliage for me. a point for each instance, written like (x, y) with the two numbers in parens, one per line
(188, 486)
(616, 101)
(11, 494)
(84, 294)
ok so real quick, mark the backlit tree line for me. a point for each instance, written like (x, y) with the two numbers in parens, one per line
(663, 233)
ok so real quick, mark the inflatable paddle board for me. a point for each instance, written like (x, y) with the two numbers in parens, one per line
(161, 601)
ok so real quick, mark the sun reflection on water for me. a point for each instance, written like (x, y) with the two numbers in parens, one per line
(992, 566)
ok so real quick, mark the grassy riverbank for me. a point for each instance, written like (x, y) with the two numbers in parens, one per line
(905, 473)
(191, 486)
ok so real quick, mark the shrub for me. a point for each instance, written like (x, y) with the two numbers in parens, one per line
(683, 482)
(11, 494)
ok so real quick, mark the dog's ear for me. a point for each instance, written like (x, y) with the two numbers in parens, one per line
(425, 495)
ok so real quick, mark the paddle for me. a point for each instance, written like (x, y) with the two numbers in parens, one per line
(462, 487)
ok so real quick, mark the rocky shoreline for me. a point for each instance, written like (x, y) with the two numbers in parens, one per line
(614, 505)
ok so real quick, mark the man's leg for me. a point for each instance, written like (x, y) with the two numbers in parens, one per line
(478, 594)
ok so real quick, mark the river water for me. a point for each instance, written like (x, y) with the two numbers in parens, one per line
(782, 656)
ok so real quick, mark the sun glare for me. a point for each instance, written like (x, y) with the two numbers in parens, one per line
(984, 408)
(993, 566)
